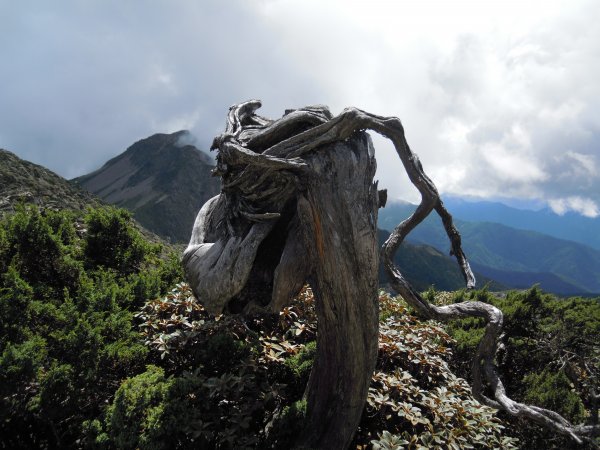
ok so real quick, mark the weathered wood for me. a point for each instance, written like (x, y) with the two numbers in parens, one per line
(283, 221)
(298, 204)
(220, 269)
(339, 216)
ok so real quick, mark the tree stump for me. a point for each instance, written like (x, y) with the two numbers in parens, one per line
(298, 204)
(280, 224)
(339, 218)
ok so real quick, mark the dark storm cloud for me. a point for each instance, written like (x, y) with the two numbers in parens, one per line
(498, 99)
(83, 80)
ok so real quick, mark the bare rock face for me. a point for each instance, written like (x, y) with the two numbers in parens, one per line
(163, 180)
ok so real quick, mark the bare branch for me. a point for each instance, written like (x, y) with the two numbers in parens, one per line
(273, 227)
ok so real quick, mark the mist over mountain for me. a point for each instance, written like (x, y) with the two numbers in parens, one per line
(163, 180)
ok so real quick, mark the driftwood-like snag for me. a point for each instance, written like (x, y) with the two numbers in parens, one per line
(298, 204)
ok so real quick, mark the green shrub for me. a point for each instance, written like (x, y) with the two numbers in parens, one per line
(415, 401)
(15, 296)
(554, 391)
(112, 241)
(413, 396)
(287, 426)
(35, 248)
(20, 363)
(66, 320)
(301, 364)
(76, 372)
(135, 418)
(219, 352)
(156, 411)
(542, 333)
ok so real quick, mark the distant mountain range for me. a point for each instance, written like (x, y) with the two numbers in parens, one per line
(424, 266)
(517, 258)
(164, 182)
(161, 179)
(570, 226)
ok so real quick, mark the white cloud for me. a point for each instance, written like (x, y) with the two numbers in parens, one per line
(584, 206)
(498, 98)
(583, 164)
(511, 167)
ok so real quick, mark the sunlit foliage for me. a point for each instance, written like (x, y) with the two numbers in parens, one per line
(67, 338)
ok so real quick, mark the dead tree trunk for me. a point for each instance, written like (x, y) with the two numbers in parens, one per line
(298, 204)
(339, 218)
(280, 223)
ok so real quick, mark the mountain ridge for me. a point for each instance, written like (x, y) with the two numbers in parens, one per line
(568, 226)
(22, 181)
(425, 266)
(160, 179)
(521, 257)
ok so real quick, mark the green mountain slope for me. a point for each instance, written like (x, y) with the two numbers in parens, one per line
(514, 257)
(570, 226)
(524, 280)
(501, 247)
(161, 180)
(424, 266)
(24, 182)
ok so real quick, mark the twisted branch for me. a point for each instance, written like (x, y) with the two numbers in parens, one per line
(484, 358)
(341, 127)
(261, 164)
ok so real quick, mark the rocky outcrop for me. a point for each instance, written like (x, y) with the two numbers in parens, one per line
(24, 182)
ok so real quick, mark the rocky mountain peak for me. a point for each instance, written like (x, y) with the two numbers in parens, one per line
(161, 179)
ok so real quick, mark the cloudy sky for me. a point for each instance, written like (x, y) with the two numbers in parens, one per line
(500, 99)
